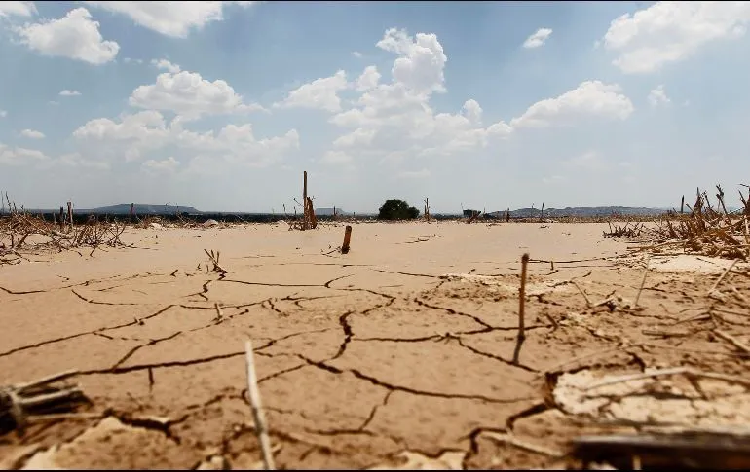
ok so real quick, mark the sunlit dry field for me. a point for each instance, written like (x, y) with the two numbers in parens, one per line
(397, 354)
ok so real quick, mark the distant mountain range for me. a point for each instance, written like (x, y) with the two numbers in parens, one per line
(143, 209)
(140, 209)
(579, 211)
(147, 209)
(329, 212)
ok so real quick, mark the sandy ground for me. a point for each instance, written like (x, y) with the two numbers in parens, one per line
(396, 354)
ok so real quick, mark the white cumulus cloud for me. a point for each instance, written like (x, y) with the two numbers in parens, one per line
(537, 39)
(20, 156)
(394, 121)
(369, 79)
(164, 64)
(69, 93)
(421, 61)
(32, 134)
(658, 96)
(668, 32)
(23, 9)
(174, 19)
(320, 94)
(133, 137)
(190, 96)
(592, 99)
(76, 36)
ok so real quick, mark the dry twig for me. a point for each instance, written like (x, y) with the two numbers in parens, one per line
(687, 371)
(731, 340)
(214, 258)
(521, 337)
(261, 428)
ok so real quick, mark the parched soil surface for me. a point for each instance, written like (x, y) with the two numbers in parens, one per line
(398, 354)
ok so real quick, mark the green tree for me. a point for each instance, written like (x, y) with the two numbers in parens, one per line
(397, 210)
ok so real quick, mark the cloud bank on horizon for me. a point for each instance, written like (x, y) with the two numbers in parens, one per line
(222, 105)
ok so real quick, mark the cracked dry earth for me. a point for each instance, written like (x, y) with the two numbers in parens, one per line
(397, 354)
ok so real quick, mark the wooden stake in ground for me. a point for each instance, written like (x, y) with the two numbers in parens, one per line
(521, 337)
(304, 203)
(347, 240)
(261, 428)
(70, 214)
(311, 214)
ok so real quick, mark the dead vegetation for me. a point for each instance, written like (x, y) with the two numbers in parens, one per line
(627, 230)
(22, 233)
(709, 230)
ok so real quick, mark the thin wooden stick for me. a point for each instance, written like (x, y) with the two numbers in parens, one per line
(585, 297)
(261, 429)
(643, 282)
(49, 397)
(666, 372)
(219, 314)
(731, 340)
(573, 360)
(508, 438)
(46, 380)
(521, 306)
(718, 281)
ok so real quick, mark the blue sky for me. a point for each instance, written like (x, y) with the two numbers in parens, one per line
(222, 105)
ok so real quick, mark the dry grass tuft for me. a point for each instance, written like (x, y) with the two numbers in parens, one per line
(22, 233)
(627, 230)
(709, 230)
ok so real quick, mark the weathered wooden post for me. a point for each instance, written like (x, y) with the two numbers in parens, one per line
(311, 213)
(682, 207)
(304, 200)
(521, 336)
(347, 240)
(70, 214)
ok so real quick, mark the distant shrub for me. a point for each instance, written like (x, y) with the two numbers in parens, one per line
(397, 210)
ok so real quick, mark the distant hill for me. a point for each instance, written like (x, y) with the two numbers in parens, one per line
(579, 211)
(146, 209)
(140, 209)
(329, 212)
